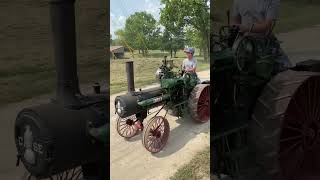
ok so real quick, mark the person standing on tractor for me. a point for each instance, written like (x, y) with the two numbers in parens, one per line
(258, 17)
(189, 65)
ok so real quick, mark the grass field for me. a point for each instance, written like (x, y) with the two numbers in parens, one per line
(293, 15)
(198, 168)
(144, 69)
(19, 81)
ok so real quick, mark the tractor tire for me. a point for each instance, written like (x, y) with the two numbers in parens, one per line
(279, 129)
(199, 103)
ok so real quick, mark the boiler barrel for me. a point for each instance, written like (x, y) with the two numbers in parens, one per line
(127, 105)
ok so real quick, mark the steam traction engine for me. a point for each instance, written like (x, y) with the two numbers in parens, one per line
(179, 93)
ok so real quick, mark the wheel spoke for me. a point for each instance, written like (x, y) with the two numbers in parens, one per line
(301, 114)
(290, 138)
(293, 129)
(290, 148)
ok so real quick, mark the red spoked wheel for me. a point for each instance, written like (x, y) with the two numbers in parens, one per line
(156, 134)
(126, 126)
(300, 135)
(199, 103)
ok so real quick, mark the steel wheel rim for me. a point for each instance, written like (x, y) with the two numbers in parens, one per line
(125, 126)
(156, 134)
(300, 134)
(203, 108)
(72, 174)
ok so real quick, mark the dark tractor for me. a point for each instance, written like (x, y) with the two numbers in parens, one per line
(265, 121)
(66, 138)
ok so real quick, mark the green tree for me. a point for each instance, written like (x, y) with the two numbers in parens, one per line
(171, 42)
(141, 32)
(178, 42)
(193, 38)
(116, 42)
(181, 14)
(165, 41)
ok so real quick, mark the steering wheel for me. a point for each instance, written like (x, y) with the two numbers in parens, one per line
(229, 34)
(245, 53)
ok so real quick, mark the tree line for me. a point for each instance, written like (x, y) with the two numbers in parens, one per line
(182, 23)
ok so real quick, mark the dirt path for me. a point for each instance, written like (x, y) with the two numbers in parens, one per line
(130, 160)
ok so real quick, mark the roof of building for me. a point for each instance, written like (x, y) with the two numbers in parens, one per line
(113, 48)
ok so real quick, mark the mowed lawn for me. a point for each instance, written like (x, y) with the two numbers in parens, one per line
(144, 69)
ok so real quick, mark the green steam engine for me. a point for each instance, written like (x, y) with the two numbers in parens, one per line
(179, 93)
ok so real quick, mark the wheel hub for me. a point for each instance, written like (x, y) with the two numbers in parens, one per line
(310, 136)
(129, 122)
(156, 133)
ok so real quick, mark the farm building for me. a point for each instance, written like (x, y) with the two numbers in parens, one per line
(117, 52)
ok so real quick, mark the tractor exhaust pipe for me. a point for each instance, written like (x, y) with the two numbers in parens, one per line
(130, 76)
(228, 16)
(62, 16)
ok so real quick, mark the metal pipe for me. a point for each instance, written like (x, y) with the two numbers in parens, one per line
(228, 16)
(62, 16)
(149, 102)
(130, 76)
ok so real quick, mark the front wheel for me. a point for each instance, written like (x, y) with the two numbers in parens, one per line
(126, 126)
(156, 134)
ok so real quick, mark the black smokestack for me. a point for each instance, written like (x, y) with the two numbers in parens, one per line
(62, 15)
(130, 76)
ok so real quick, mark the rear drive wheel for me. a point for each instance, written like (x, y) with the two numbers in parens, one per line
(199, 103)
(284, 134)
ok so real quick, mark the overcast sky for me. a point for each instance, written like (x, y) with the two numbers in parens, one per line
(120, 10)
